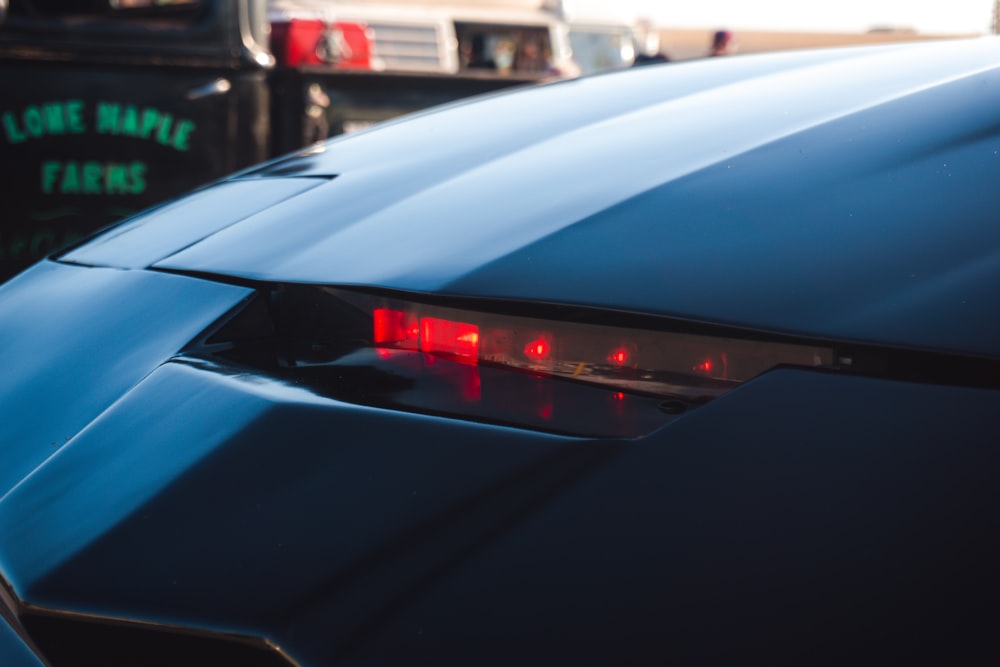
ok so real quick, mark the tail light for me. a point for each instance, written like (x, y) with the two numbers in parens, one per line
(593, 373)
(660, 362)
(344, 45)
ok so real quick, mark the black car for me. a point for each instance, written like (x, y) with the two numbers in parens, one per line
(693, 363)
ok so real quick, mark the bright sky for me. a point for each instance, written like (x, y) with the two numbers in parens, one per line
(926, 16)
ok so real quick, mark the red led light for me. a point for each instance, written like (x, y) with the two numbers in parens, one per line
(714, 366)
(439, 336)
(537, 349)
(395, 328)
(619, 356)
(674, 364)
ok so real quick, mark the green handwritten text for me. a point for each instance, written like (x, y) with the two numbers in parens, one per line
(149, 123)
(93, 178)
(47, 119)
(60, 118)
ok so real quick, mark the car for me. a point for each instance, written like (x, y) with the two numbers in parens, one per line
(690, 363)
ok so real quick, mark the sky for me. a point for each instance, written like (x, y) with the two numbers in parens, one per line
(925, 16)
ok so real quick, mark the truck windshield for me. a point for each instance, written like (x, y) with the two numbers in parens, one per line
(504, 48)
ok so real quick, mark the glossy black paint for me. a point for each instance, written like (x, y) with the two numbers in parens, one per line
(776, 523)
(15, 653)
(73, 349)
(810, 516)
(613, 192)
(135, 244)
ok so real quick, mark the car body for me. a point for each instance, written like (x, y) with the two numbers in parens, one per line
(448, 390)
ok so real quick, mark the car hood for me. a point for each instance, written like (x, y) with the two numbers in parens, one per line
(819, 203)
(153, 500)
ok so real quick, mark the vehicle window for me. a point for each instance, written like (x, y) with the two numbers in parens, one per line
(599, 51)
(504, 48)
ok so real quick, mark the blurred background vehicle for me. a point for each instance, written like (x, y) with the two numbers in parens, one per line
(526, 37)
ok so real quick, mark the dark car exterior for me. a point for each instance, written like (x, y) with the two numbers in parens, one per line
(234, 432)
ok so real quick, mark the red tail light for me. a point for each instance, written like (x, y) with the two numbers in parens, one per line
(450, 338)
(538, 349)
(395, 328)
(599, 374)
(665, 363)
(622, 355)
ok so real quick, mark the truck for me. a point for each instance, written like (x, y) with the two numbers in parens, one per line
(112, 106)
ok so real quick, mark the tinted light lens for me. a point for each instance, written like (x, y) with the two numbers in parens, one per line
(663, 363)
(395, 328)
(449, 338)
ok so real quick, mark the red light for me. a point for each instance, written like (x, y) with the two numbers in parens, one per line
(438, 336)
(714, 366)
(619, 356)
(537, 349)
(315, 42)
(293, 42)
(395, 328)
(619, 396)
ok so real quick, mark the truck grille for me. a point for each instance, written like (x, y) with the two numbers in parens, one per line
(405, 47)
